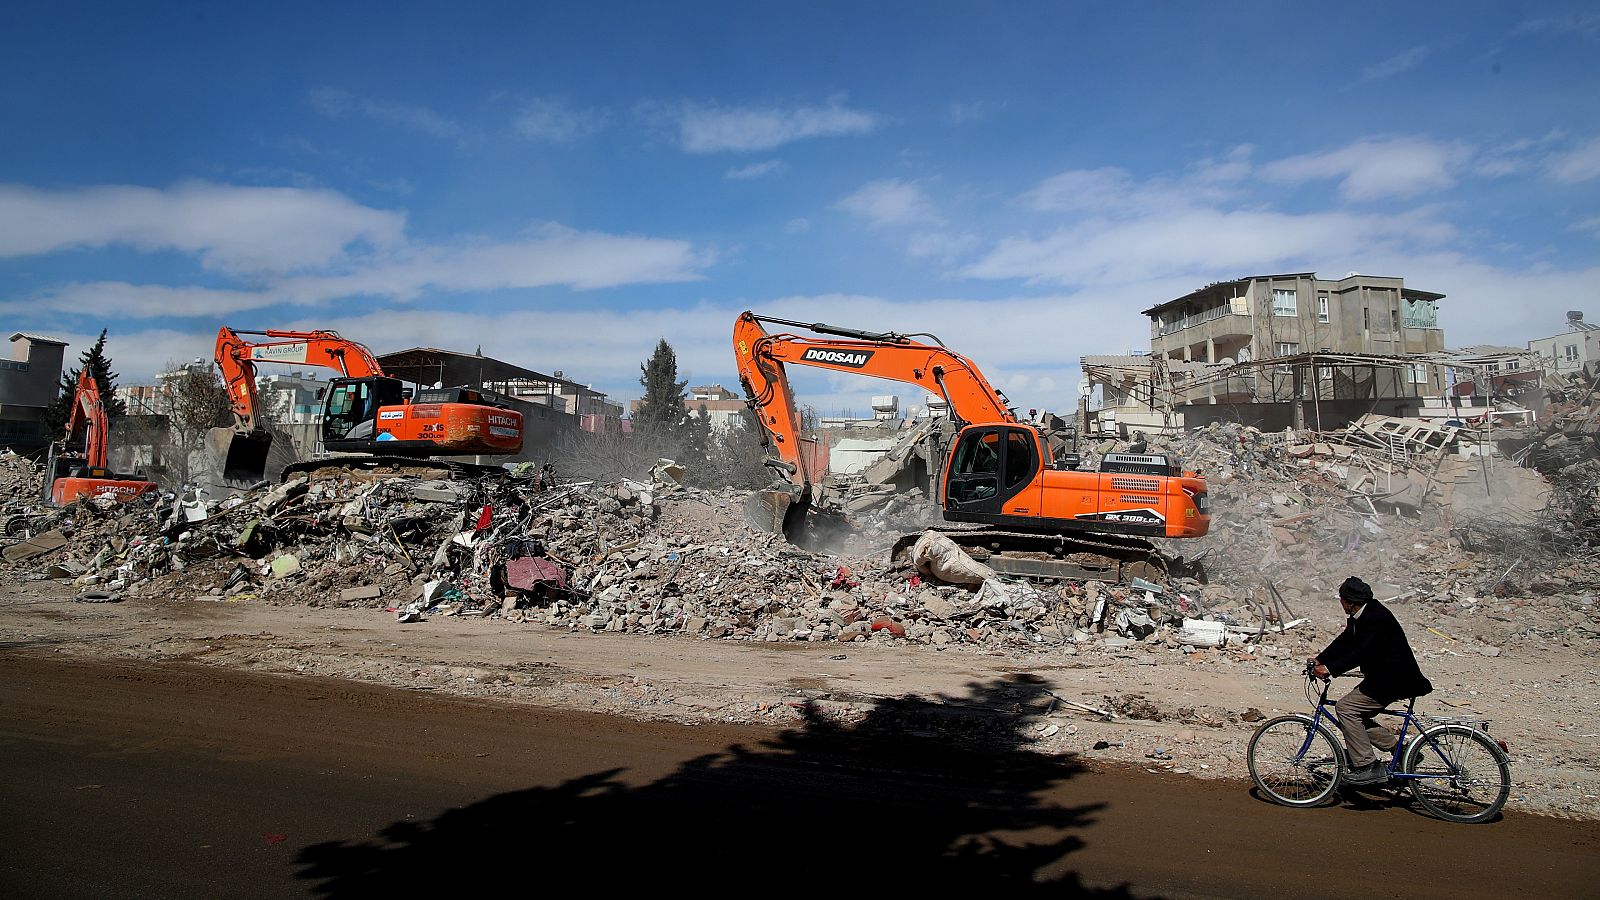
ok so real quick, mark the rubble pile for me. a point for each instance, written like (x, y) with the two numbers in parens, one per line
(1294, 513)
(623, 557)
(21, 479)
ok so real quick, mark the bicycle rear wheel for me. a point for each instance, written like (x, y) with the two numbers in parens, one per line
(1294, 761)
(1466, 776)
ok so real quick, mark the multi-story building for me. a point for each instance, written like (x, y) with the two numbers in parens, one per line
(30, 381)
(1567, 352)
(1298, 350)
(1265, 316)
(1353, 326)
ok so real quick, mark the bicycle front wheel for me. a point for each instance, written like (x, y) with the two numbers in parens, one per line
(1464, 776)
(1294, 761)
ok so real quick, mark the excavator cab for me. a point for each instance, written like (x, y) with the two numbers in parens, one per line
(991, 464)
(350, 412)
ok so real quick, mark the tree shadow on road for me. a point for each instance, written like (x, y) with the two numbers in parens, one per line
(934, 794)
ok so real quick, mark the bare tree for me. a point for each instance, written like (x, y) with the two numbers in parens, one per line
(191, 400)
(608, 456)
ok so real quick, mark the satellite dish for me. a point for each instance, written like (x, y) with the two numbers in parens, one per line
(1085, 388)
(1225, 361)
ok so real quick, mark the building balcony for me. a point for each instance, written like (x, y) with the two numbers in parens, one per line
(1199, 318)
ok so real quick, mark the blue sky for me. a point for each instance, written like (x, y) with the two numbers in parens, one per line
(563, 184)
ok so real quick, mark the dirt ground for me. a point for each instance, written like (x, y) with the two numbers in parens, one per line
(1183, 713)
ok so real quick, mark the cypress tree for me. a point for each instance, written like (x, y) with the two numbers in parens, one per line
(99, 365)
(661, 409)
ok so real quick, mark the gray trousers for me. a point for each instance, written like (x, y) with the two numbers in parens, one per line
(1361, 731)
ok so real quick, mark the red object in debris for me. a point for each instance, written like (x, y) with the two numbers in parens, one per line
(884, 622)
(274, 838)
(842, 579)
(485, 516)
(524, 572)
(916, 581)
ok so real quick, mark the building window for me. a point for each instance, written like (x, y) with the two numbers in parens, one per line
(1283, 303)
(1322, 308)
(1419, 373)
(1394, 317)
(1572, 353)
(1513, 364)
(1366, 319)
(1286, 349)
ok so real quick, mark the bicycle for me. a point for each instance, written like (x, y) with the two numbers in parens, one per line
(1452, 767)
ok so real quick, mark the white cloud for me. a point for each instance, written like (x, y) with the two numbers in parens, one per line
(604, 346)
(755, 170)
(1582, 163)
(712, 129)
(337, 104)
(1585, 24)
(1394, 65)
(797, 226)
(239, 229)
(1200, 242)
(552, 256)
(554, 120)
(1590, 225)
(890, 202)
(967, 112)
(1372, 169)
(1115, 192)
(941, 245)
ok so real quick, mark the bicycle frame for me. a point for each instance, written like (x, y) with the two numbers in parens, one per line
(1409, 722)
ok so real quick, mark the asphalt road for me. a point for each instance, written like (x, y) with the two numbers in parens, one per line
(175, 780)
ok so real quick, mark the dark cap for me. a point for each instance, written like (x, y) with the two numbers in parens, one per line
(1354, 591)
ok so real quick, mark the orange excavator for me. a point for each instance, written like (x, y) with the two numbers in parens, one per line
(999, 478)
(80, 467)
(364, 411)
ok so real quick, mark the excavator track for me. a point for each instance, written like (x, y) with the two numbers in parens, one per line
(1059, 556)
(446, 469)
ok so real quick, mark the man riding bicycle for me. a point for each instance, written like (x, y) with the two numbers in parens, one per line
(1372, 641)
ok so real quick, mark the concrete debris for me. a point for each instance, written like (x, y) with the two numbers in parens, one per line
(1292, 515)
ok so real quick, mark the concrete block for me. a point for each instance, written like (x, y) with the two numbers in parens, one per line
(365, 592)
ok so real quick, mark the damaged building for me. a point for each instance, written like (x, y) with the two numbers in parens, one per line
(1289, 350)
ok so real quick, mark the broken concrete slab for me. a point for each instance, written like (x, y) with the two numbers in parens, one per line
(364, 592)
(36, 546)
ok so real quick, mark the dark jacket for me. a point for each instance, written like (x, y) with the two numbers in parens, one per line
(1376, 644)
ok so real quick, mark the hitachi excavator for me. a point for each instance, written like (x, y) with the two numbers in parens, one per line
(999, 478)
(365, 411)
(78, 464)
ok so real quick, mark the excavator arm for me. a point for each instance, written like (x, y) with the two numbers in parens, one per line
(929, 366)
(237, 358)
(68, 477)
(88, 420)
(243, 449)
(761, 358)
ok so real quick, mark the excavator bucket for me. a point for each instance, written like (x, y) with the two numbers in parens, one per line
(241, 456)
(780, 509)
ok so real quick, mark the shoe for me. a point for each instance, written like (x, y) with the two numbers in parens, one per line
(1369, 774)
